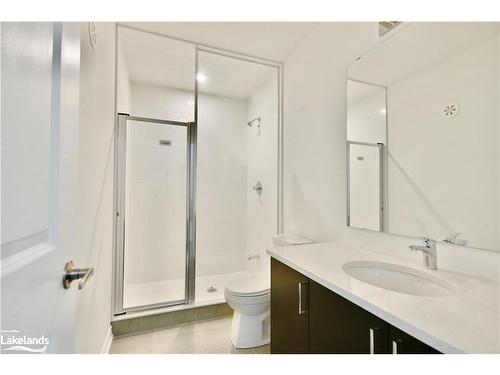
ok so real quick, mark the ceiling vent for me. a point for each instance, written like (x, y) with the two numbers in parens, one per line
(385, 26)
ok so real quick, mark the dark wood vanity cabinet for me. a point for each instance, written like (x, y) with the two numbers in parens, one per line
(290, 327)
(306, 317)
(337, 325)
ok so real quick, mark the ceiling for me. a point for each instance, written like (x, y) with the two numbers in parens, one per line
(268, 40)
(231, 77)
(419, 45)
(161, 61)
(156, 60)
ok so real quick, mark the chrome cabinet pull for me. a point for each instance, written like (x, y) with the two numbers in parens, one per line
(372, 341)
(71, 273)
(395, 346)
(301, 311)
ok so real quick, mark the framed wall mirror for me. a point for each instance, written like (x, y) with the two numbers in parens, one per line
(423, 134)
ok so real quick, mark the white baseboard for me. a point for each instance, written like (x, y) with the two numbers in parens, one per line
(107, 342)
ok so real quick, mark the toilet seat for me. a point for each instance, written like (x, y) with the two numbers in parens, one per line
(248, 287)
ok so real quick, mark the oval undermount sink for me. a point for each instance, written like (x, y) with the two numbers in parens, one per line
(399, 279)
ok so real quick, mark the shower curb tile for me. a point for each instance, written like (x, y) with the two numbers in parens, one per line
(143, 324)
(175, 318)
(213, 311)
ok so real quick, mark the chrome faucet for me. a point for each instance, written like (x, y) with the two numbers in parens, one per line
(429, 251)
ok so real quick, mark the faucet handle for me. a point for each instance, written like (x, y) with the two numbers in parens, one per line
(429, 242)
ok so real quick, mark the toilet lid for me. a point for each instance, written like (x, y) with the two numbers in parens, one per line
(248, 286)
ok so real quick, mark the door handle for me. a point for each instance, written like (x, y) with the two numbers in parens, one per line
(71, 273)
(301, 311)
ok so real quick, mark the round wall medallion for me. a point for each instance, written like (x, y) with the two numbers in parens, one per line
(92, 35)
(450, 110)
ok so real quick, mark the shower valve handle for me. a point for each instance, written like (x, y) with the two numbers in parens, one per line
(258, 187)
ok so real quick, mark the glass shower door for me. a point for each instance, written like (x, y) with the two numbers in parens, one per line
(153, 178)
(365, 185)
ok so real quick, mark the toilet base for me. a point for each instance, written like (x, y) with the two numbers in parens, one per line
(250, 331)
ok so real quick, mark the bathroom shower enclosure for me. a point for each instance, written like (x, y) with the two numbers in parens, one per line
(198, 191)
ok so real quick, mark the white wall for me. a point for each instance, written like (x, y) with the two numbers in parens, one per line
(221, 200)
(443, 171)
(262, 159)
(96, 163)
(123, 90)
(315, 134)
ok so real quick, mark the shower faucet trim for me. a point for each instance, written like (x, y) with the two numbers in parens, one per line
(258, 188)
(258, 119)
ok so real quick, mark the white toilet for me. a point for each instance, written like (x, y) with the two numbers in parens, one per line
(250, 298)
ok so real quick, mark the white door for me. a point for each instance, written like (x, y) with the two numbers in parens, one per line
(40, 66)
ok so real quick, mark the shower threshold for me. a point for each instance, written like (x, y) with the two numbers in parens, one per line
(144, 294)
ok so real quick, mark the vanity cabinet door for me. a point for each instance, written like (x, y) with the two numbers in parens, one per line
(402, 343)
(289, 305)
(338, 326)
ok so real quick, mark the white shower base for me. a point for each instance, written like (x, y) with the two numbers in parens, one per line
(135, 295)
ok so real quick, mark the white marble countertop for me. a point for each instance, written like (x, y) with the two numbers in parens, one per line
(466, 322)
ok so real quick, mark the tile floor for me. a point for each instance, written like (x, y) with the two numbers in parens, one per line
(205, 337)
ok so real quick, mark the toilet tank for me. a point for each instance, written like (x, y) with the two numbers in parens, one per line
(289, 240)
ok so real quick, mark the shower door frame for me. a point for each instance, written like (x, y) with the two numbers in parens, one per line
(118, 312)
(120, 219)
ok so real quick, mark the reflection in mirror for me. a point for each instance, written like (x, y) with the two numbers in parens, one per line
(423, 134)
(366, 137)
